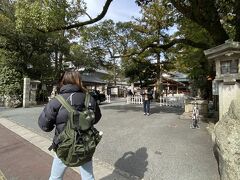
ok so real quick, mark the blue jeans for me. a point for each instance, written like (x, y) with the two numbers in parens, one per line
(58, 170)
(146, 106)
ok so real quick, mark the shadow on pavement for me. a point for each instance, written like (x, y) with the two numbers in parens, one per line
(155, 109)
(133, 163)
(167, 109)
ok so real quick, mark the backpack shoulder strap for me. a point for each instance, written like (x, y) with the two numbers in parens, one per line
(68, 106)
(64, 103)
(87, 99)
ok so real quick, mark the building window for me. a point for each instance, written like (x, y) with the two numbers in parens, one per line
(229, 66)
(234, 66)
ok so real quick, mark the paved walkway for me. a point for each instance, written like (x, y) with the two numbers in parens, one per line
(24, 155)
(134, 146)
(20, 160)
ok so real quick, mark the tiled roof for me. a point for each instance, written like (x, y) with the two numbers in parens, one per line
(92, 79)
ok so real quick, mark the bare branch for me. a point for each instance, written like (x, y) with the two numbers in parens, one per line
(88, 15)
(80, 24)
(110, 52)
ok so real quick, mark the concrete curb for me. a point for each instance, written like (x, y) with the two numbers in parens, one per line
(101, 169)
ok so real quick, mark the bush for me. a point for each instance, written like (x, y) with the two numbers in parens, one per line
(10, 82)
(10, 86)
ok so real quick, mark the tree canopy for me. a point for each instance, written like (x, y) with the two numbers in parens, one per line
(55, 15)
(38, 37)
(223, 15)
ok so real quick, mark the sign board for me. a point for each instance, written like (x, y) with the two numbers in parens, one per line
(114, 91)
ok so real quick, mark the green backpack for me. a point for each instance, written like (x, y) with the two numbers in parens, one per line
(78, 141)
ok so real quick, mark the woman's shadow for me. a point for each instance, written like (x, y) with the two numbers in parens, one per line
(132, 163)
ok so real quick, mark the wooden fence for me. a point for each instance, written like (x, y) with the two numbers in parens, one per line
(176, 101)
(137, 99)
(108, 98)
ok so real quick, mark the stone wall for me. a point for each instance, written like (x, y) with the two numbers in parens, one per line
(188, 108)
(201, 104)
(13, 101)
(226, 139)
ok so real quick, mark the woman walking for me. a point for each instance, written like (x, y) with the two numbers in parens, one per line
(55, 115)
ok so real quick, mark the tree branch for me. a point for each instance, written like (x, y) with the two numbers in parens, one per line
(186, 10)
(205, 14)
(188, 42)
(88, 16)
(164, 47)
(91, 21)
(110, 52)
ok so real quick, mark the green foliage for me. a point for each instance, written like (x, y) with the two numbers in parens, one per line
(193, 62)
(47, 14)
(228, 11)
(80, 57)
(10, 82)
(101, 39)
(139, 70)
(23, 45)
(28, 51)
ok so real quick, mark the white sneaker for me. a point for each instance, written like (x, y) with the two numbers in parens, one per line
(148, 114)
(144, 113)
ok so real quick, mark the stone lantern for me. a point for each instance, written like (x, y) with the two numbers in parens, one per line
(29, 92)
(33, 91)
(226, 135)
(227, 80)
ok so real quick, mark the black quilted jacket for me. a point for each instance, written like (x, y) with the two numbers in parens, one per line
(54, 116)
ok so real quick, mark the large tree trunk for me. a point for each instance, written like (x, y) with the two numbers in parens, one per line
(237, 20)
(205, 14)
(158, 82)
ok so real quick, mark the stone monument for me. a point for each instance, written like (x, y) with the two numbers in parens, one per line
(226, 134)
(26, 90)
(29, 92)
(33, 91)
(226, 83)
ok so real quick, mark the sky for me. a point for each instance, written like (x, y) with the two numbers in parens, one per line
(119, 10)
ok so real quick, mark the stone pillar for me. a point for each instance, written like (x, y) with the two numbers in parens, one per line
(33, 95)
(33, 91)
(26, 92)
(227, 80)
(227, 93)
(226, 85)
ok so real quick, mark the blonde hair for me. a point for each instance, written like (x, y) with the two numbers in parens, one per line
(72, 77)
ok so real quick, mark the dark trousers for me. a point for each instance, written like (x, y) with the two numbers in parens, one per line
(146, 106)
